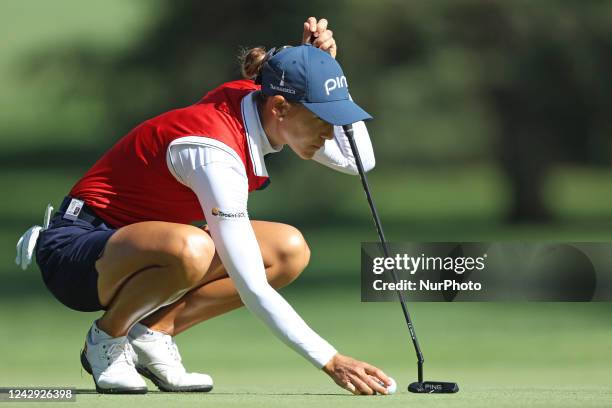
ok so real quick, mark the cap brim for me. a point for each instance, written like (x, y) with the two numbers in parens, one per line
(339, 113)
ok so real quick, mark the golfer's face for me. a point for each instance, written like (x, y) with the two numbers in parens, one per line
(304, 132)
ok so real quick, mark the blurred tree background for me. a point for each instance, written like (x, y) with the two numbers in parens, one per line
(491, 117)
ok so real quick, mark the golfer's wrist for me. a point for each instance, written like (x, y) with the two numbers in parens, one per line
(331, 364)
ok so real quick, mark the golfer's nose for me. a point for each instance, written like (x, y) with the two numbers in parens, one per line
(329, 135)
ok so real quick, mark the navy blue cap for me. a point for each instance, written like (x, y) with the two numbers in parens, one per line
(307, 75)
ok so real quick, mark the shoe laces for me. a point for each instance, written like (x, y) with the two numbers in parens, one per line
(173, 349)
(119, 352)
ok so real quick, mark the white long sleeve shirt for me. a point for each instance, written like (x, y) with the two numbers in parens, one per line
(217, 176)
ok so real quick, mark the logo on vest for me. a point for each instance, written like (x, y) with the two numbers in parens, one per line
(335, 83)
(228, 215)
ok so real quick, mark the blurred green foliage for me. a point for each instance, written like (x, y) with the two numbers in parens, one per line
(485, 111)
(450, 82)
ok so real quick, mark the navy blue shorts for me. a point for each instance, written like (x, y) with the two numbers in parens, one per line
(66, 254)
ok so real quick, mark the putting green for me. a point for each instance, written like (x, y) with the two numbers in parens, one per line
(525, 354)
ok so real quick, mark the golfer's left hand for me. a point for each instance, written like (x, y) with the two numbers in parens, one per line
(323, 38)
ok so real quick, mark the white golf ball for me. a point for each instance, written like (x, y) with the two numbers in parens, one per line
(393, 387)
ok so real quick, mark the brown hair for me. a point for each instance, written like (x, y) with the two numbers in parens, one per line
(251, 61)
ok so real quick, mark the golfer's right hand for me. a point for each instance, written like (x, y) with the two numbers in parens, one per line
(356, 376)
(317, 34)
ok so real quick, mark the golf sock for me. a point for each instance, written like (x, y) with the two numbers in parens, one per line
(96, 334)
(142, 332)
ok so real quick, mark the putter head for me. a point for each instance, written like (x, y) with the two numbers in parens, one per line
(433, 387)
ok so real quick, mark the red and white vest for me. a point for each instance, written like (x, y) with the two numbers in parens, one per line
(131, 182)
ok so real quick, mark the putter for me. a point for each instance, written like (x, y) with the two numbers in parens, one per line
(421, 387)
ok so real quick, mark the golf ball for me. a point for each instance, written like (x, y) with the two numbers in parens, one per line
(393, 387)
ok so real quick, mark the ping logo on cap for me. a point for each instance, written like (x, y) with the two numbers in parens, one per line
(312, 77)
(335, 83)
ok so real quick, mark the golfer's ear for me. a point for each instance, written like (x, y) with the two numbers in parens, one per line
(280, 106)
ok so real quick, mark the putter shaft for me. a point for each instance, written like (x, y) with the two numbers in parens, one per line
(348, 130)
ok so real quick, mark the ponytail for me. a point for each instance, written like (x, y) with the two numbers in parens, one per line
(251, 61)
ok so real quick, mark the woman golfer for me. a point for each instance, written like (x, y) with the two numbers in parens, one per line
(122, 240)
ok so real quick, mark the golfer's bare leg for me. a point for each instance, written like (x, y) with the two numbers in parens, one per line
(146, 266)
(285, 255)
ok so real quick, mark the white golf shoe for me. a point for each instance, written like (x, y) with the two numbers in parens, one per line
(158, 359)
(110, 361)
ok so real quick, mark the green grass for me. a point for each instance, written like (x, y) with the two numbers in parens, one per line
(522, 354)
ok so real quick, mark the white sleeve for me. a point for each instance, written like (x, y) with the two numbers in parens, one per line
(336, 153)
(221, 185)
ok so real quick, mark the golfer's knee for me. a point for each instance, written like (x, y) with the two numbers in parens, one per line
(196, 251)
(293, 256)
